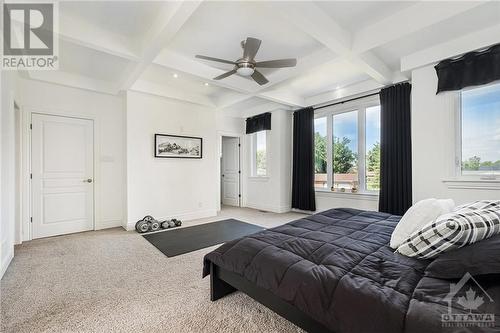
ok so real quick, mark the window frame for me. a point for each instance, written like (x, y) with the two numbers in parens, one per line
(254, 156)
(359, 105)
(459, 140)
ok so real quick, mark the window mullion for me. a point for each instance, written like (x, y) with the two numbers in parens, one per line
(362, 149)
(329, 150)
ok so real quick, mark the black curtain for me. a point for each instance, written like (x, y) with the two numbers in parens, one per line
(395, 149)
(472, 69)
(303, 160)
(261, 122)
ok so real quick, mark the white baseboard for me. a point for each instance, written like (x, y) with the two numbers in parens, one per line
(273, 209)
(187, 216)
(108, 224)
(7, 257)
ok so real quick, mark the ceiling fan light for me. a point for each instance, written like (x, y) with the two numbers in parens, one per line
(245, 71)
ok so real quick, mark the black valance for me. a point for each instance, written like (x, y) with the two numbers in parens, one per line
(261, 122)
(471, 69)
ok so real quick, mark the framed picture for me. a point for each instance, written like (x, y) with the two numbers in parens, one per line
(176, 146)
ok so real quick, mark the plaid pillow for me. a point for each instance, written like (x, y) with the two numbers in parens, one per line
(480, 204)
(452, 231)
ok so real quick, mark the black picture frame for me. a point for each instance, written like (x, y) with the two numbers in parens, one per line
(158, 154)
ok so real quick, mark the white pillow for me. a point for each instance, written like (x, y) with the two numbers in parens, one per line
(418, 216)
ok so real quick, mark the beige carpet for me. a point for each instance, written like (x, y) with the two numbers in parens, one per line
(115, 281)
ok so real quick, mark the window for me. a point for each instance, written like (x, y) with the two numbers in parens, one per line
(320, 153)
(480, 131)
(372, 144)
(259, 144)
(347, 148)
(345, 151)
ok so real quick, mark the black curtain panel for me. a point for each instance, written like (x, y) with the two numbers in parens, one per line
(303, 160)
(261, 122)
(395, 149)
(471, 69)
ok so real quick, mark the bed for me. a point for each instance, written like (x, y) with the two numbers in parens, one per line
(335, 272)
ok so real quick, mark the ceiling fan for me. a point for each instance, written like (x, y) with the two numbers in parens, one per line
(246, 66)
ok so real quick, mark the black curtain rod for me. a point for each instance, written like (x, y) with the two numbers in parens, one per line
(356, 98)
(347, 100)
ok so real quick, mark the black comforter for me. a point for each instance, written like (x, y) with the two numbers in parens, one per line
(337, 267)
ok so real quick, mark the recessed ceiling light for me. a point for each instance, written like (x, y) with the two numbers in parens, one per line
(206, 84)
(175, 75)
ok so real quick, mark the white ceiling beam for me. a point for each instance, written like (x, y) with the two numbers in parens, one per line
(314, 21)
(283, 97)
(171, 92)
(452, 48)
(374, 67)
(164, 28)
(80, 32)
(251, 111)
(414, 18)
(73, 80)
(228, 99)
(336, 94)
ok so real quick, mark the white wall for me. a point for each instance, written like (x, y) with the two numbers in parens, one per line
(327, 200)
(108, 114)
(433, 141)
(272, 193)
(7, 169)
(169, 187)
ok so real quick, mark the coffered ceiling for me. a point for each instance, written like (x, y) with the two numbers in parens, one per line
(342, 48)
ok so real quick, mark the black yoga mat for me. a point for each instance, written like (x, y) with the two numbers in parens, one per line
(173, 242)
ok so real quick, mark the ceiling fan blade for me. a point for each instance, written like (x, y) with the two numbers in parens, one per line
(251, 47)
(220, 77)
(277, 63)
(259, 78)
(215, 59)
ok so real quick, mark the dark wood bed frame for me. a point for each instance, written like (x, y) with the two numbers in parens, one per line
(224, 282)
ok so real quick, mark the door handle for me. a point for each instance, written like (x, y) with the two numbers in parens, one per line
(87, 180)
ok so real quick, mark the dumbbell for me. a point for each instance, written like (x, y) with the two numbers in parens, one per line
(165, 224)
(142, 226)
(154, 225)
(177, 222)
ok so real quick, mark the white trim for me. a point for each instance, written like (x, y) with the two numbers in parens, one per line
(258, 178)
(368, 196)
(472, 184)
(114, 223)
(272, 209)
(185, 216)
(6, 260)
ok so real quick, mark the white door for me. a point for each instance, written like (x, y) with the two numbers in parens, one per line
(230, 171)
(62, 175)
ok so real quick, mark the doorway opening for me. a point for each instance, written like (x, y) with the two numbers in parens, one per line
(230, 171)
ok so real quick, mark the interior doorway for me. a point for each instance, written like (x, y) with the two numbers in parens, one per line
(62, 175)
(230, 171)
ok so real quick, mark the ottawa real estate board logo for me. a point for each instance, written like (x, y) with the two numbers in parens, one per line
(468, 305)
(30, 40)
